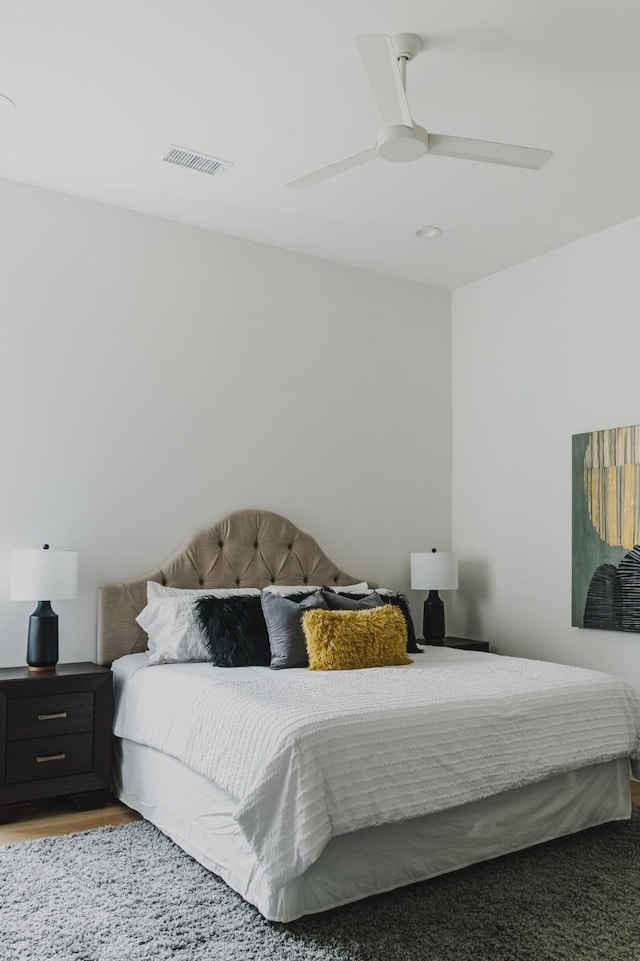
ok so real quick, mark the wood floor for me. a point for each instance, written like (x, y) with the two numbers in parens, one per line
(48, 818)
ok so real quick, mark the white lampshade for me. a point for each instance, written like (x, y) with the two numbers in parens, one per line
(435, 571)
(43, 575)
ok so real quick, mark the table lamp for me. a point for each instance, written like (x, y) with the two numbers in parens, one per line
(437, 571)
(37, 574)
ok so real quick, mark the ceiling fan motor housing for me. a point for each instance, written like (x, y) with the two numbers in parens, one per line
(402, 143)
(385, 61)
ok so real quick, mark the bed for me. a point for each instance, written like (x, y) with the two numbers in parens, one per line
(383, 777)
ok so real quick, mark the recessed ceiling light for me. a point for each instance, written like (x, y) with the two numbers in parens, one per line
(428, 233)
(6, 103)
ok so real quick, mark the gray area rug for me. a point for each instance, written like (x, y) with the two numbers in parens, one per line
(129, 893)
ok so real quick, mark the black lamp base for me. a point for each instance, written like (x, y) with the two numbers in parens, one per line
(433, 619)
(42, 641)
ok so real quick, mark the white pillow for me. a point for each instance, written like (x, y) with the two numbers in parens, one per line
(174, 635)
(362, 589)
(155, 590)
(284, 591)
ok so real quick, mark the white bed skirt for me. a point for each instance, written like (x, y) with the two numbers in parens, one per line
(197, 816)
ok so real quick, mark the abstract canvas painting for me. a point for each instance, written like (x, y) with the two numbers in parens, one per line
(606, 529)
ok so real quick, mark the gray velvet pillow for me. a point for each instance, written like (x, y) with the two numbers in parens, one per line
(339, 602)
(284, 625)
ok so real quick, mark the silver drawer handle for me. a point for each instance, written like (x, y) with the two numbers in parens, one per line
(51, 757)
(49, 717)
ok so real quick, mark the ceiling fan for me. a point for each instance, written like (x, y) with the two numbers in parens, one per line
(385, 62)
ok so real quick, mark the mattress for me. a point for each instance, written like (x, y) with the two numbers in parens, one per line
(294, 762)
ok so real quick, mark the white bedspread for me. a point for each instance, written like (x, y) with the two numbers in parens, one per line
(310, 755)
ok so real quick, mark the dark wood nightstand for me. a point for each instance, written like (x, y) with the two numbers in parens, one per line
(462, 643)
(55, 735)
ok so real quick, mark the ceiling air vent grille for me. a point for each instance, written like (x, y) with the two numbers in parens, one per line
(195, 161)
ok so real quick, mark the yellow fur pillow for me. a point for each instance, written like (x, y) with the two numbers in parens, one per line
(346, 640)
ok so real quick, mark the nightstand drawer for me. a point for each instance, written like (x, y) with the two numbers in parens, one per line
(29, 717)
(49, 757)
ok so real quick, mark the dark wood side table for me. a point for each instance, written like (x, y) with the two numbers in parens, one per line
(55, 736)
(462, 643)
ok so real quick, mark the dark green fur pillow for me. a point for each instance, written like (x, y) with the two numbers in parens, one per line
(234, 630)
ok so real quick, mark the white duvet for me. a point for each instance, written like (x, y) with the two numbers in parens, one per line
(310, 755)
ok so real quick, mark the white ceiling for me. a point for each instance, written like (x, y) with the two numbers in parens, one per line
(277, 87)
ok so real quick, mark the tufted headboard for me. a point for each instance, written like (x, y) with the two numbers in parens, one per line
(248, 548)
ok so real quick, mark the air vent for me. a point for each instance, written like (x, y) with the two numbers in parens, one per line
(195, 161)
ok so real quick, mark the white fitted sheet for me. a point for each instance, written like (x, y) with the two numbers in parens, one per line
(198, 816)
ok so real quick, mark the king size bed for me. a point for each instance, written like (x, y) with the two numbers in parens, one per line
(307, 789)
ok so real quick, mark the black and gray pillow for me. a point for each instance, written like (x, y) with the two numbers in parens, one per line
(283, 616)
(398, 600)
(351, 602)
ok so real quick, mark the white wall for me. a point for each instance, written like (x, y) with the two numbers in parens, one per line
(540, 352)
(154, 377)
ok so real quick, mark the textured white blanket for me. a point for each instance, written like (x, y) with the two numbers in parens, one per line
(310, 755)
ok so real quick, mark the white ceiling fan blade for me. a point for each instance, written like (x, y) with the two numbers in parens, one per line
(381, 66)
(488, 151)
(337, 168)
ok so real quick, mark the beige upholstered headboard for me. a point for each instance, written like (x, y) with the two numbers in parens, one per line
(249, 548)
